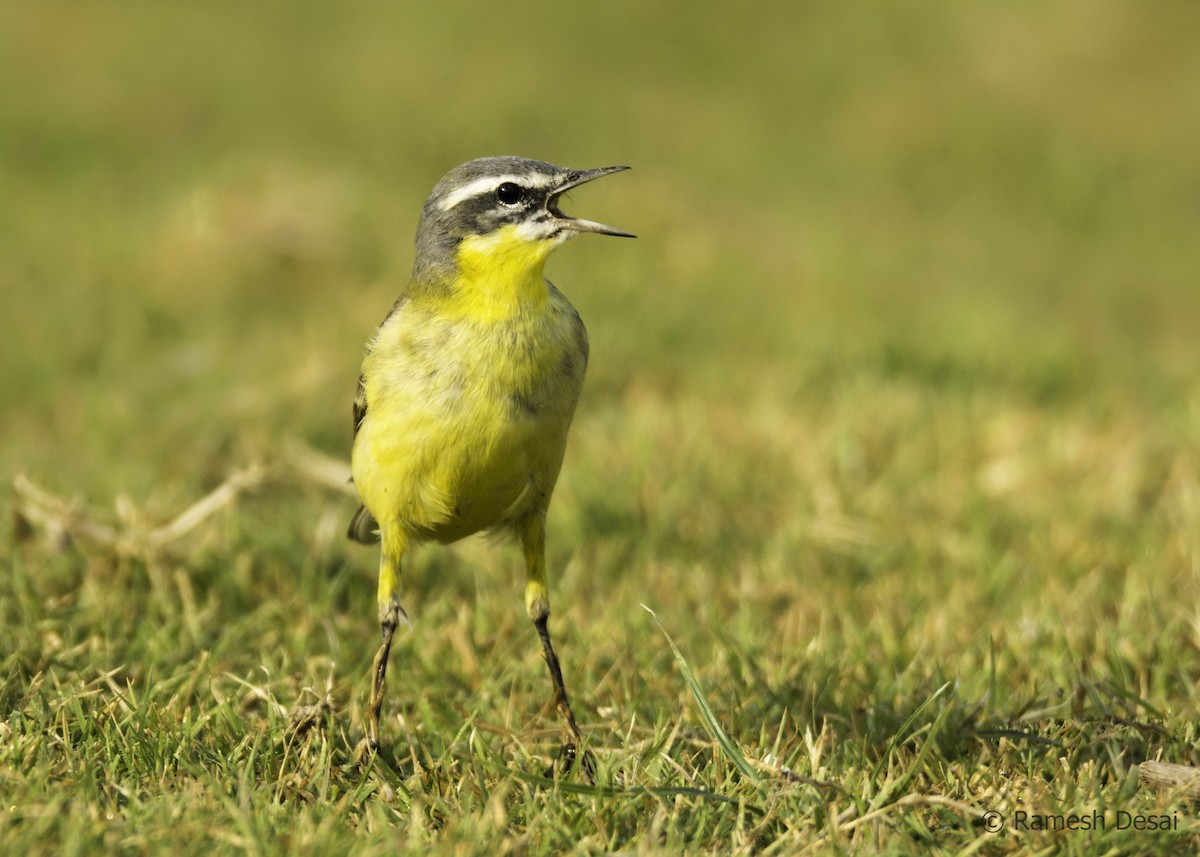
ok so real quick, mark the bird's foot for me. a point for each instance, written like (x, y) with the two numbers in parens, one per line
(565, 762)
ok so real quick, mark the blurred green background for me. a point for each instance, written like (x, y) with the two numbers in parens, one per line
(898, 390)
(205, 208)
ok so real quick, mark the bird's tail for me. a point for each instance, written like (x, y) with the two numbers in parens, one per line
(363, 527)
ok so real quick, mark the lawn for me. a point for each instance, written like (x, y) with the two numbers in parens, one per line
(879, 528)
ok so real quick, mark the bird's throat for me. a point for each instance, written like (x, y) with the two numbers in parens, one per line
(499, 276)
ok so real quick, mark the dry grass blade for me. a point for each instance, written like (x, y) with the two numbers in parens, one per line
(35, 507)
(316, 466)
(1181, 780)
(207, 506)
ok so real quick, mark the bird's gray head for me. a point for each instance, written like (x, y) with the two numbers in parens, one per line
(515, 200)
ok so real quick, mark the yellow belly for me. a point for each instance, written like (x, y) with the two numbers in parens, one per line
(444, 477)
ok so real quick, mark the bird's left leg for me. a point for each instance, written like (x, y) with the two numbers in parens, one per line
(537, 605)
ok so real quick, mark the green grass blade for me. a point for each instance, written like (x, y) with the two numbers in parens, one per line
(711, 724)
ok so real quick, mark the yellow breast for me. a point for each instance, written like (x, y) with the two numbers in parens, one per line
(470, 392)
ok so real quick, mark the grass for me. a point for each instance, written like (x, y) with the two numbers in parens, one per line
(891, 422)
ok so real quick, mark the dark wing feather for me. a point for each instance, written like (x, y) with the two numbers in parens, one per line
(363, 527)
(360, 404)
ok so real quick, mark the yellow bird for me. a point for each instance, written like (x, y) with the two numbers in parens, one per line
(469, 386)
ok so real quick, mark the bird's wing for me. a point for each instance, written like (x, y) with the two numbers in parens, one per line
(360, 393)
(360, 404)
(363, 526)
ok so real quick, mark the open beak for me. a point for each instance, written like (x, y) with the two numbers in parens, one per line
(573, 180)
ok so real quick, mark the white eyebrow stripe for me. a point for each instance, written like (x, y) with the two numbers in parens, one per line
(488, 183)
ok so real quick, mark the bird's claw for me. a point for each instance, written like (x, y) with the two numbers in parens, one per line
(566, 762)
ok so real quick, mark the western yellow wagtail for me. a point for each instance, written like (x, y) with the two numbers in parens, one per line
(469, 386)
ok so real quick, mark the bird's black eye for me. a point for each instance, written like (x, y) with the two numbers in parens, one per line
(509, 193)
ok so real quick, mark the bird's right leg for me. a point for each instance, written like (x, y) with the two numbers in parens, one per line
(537, 604)
(391, 614)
